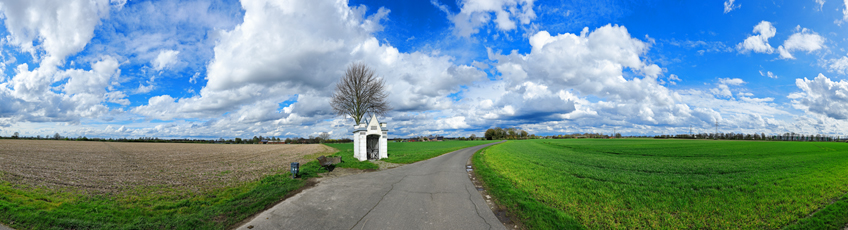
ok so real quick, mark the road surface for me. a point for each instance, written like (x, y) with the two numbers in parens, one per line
(431, 194)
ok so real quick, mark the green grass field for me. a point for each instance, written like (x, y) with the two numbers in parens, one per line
(405, 152)
(669, 184)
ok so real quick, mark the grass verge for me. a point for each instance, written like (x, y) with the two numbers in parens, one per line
(35, 208)
(531, 213)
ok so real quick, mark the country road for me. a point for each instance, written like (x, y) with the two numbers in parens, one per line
(432, 194)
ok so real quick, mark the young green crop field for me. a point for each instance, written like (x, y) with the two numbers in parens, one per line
(407, 152)
(669, 184)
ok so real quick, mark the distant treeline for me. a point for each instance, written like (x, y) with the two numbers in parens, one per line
(140, 139)
(499, 133)
(579, 135)
(719, 136)
(323, 138)
(760, 136)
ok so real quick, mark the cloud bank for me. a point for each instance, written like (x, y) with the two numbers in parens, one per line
(269, 67)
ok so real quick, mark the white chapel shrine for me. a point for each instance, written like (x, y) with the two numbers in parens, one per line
(369, 140)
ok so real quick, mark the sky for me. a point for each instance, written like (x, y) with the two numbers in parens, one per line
(213, 69)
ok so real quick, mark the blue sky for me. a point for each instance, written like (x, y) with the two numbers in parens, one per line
(212, 69)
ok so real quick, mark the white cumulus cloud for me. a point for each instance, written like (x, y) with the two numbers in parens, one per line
(722, 90)
(592, 63)
(165, 59)
(60, 28)
(759, 43)
(474, 14)
(279, 51)
(845, 11)
(272, 71)
(731, 81)
(51, 31)
(822, 96)
(83, 95)
(839, 65)
(803, 40)
(453, 123)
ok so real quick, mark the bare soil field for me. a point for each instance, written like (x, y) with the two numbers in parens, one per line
(113, 167)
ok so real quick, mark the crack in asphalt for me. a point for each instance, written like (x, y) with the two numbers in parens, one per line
(378, 203)
(477, 208)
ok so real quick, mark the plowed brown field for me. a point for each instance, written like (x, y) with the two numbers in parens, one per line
(108, 167)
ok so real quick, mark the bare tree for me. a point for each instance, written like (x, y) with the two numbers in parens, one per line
(324, 136)
(359, 92)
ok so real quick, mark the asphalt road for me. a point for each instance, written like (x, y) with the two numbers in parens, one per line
(431, 194)
(4, 227)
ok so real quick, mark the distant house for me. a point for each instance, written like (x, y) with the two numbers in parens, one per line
(263, 141)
